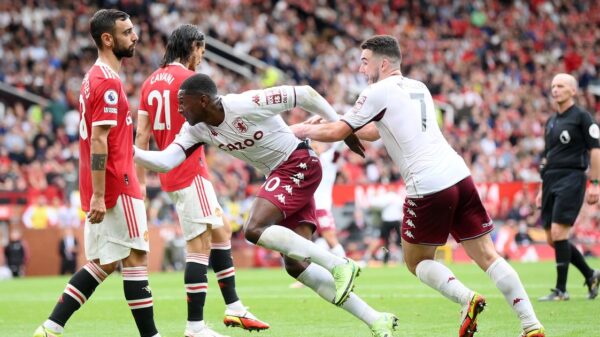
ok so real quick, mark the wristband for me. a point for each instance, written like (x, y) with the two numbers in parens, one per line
(594, 182)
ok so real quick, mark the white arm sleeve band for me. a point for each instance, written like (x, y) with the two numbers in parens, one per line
(310, 100)
(160, 161)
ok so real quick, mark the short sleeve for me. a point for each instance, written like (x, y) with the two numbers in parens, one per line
(106, 102)
(143, 107)
(591, 132)
(369, 107)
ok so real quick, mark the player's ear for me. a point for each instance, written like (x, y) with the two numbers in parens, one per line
(107, 40)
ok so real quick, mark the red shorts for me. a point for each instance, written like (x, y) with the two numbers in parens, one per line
(325, 221)
(291, 187)
(456, 210)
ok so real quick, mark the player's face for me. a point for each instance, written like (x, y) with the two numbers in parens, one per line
(198, 53)
(191, 107)
(563, 89)
(124, 38)
(370, 66)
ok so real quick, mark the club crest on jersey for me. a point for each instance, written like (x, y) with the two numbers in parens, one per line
(239, 124)
(359, 104)
(111, 97)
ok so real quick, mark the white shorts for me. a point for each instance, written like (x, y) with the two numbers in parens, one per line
(197, 207)
(124, 228)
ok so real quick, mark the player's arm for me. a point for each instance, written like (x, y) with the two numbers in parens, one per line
(591, 134)
(330, 132)
(369, 133)
(310, 100)
(188, 140)
(99, 155)
(142, 141)
(160, 161)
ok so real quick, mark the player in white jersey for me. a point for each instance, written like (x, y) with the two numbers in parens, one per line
(324, 196)
(441, 197)
(249, 127)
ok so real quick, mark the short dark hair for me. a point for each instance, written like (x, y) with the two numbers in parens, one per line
(180, 43)
(103, 21)
(384, 45)
(199, 84)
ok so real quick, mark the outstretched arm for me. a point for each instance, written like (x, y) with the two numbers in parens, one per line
(310, 100)
(160, 161)
(330, 132)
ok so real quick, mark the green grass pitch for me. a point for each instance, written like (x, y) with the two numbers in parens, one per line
(26, 303)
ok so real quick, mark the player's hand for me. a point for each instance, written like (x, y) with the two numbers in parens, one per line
(354, 144)
(593, 193)
(97, 209)
(299, 130)
(315, 120)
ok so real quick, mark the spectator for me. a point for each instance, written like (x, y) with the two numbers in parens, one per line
(39, 215)
(16, 253)
(68, 249)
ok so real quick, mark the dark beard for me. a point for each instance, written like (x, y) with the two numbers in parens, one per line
(121, 52)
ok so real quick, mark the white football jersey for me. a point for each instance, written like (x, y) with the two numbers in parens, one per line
(323, 194)
(405, 116)
(252, 130)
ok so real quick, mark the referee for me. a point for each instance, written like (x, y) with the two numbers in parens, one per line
(571, 137)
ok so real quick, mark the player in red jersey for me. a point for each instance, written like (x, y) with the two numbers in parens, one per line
(189, 186)
(115, 228)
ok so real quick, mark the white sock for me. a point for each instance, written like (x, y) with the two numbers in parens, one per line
(53, 326)
(507, 281)
(321, 282)
(195, 326)
(440, 278)
(236, 306)
(286, 241)
(338, 250)
(157, 335)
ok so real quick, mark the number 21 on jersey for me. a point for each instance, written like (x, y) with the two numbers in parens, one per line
(161, 101)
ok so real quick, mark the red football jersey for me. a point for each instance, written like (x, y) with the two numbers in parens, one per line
(159, 102)
(102, 101)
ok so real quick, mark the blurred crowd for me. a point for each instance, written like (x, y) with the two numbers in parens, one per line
(488, 64)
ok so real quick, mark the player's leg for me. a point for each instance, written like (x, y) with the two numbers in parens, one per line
(506, 279)
(420, 261)
(79, 289)
(196, 280)
(236, 314)
(326, 229)
(130, 228)
(426, 224)
(197, 209)
(321, 281)
(138, 293)
(82, 284)
(261, 228)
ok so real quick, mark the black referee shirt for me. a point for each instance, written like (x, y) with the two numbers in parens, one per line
(569, 137)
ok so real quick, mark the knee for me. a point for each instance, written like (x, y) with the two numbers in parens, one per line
(252, 232)
(136, 258)
(108, 268)
(412, 263)
(293, 267)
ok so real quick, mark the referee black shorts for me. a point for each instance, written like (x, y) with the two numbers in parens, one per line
(563, 191)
